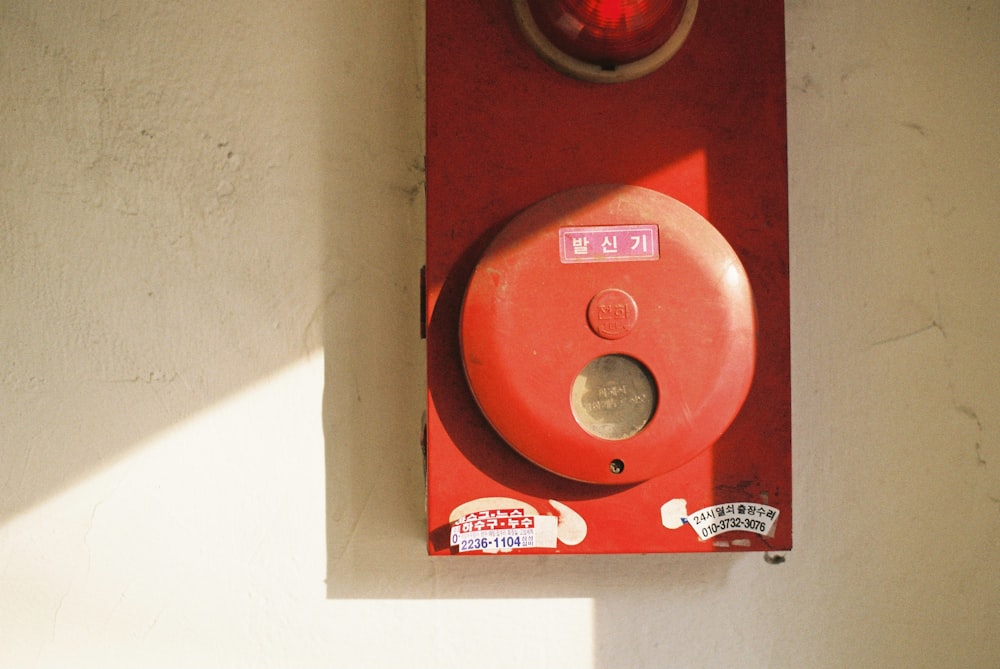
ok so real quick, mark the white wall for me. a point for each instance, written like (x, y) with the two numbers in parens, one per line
(211, 380)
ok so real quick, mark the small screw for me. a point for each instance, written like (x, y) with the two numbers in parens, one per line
(617, 466)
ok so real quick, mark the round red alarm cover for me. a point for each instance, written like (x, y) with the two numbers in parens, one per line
(608, 334)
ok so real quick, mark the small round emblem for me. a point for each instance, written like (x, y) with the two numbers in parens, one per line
(612, 313)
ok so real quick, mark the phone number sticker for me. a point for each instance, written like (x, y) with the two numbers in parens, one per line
(503, 530)
(736, 517)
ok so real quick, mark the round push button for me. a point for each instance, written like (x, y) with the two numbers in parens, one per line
(612, 314)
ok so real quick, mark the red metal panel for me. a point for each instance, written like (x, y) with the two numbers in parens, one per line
(505, 131)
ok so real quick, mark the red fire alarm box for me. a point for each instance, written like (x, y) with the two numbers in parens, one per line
(606, 289)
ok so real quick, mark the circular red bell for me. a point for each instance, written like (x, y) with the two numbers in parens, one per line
(609, 409)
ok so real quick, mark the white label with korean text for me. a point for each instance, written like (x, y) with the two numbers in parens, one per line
(733, 517)
(609, 243)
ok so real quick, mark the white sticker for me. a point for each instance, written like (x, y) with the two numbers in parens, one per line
(674, 513)
(503, 530)
(733, 517)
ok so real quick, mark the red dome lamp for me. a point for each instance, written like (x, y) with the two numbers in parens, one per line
(606, 41)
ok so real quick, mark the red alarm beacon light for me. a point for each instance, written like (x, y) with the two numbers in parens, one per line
(606, 41)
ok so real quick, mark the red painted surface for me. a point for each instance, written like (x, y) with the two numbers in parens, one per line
(504, 131)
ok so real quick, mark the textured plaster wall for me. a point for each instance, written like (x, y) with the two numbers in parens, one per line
(211, 379)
